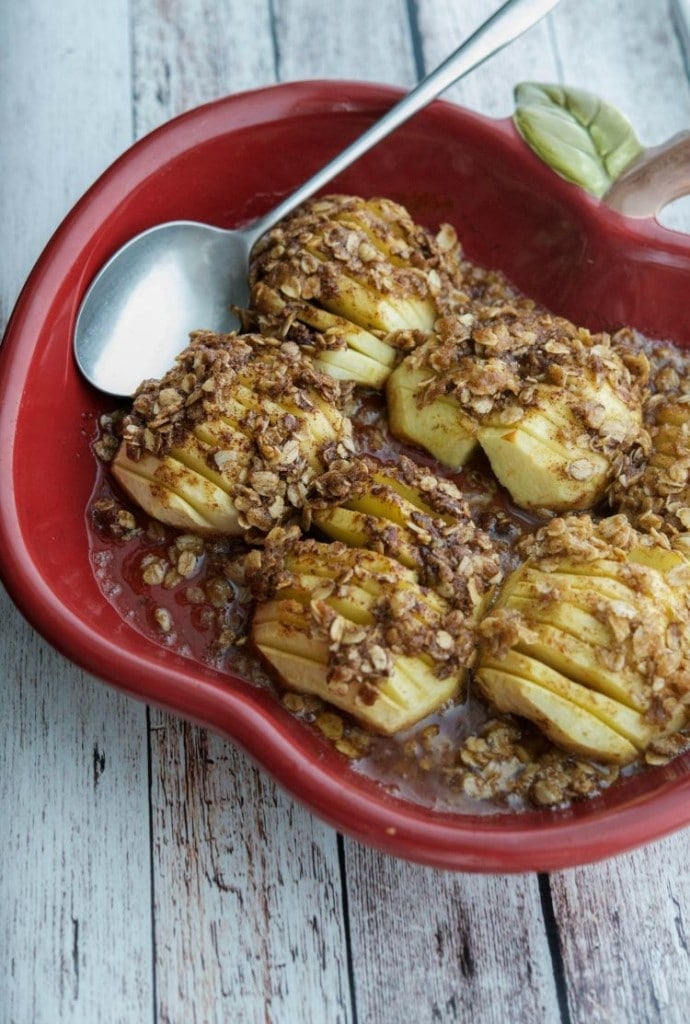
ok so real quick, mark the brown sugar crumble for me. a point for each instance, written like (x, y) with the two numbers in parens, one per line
(652, 486)
(457, 532)
(497, 361)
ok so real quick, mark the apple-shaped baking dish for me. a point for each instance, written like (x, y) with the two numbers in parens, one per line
(226, 163)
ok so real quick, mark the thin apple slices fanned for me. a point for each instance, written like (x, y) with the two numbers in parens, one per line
(357, 630)
(590, 639)
(420, 520)
(552, 405)
(631, 725)
(177, 495)
(338, 346)
(233, 437)
(566, 723)
(353, 280)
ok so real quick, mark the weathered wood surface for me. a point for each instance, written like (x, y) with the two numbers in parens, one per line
(147, 870)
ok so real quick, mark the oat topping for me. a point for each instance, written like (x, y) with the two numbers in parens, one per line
(652, 485)
(404, 619)
(497, 360)
(440, 540)
(376, 241)
(508, 761)
(251, 434)
(203, 383)
(244, 414)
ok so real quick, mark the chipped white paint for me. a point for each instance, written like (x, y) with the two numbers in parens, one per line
(253, 901)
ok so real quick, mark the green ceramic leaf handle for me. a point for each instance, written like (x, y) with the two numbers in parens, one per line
(589, 142)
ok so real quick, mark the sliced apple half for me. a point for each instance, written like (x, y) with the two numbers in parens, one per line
(336, 633)
(548, 459)
(349, 274)
(590, 640)
(230, 438)
(567, 724)
(441, 426)
(552, 405)
(422, 521)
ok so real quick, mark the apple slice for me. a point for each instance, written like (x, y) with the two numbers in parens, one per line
(629, 723)
(440, 427)
(175, 494)
(403, 699)
(336, 633)
(548, 459)
(231, 437)
(566, 724)
(349, 364)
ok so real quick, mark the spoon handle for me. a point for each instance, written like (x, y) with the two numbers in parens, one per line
(508, 22)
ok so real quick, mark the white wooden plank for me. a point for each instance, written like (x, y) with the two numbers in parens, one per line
(444, 25)
(628, 53)
(353, 39)
(474, 947)
(185, 54)
(75, 920)
(249, 915)
(65, 115)
(624, 928)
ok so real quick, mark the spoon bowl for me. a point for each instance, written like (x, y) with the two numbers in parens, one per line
(181, 276)
(160, 286)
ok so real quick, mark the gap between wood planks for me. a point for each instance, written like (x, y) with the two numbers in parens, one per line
(346, 927)
(553, 937)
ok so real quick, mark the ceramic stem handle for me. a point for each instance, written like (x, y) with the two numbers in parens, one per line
(656, 178)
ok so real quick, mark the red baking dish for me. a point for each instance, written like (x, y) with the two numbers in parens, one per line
(226, 163)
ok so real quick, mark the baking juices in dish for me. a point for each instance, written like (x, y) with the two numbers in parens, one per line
(448, 527)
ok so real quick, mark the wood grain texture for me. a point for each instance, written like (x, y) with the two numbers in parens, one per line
(443, 24)
(185, 54)
(632, 58)
(62, 123)
(624, 929)
(475, 947)
(248, 902)
(74, 842)
(355, 39)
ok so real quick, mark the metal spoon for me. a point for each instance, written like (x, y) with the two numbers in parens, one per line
(180, 276)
